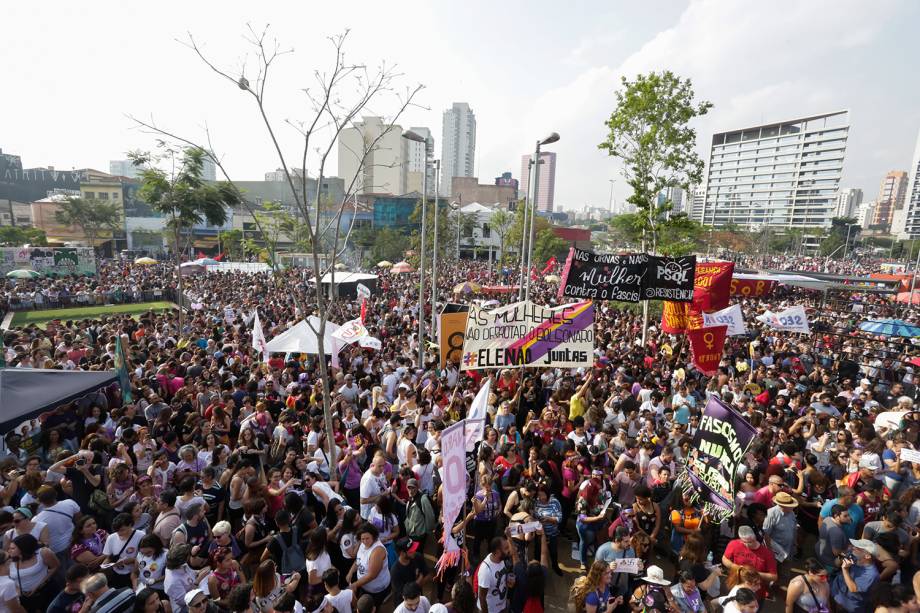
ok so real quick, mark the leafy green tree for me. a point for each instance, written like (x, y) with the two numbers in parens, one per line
(388, 244)
(649, 131)
(547, 245)
(500, 222)
(836, 238)
(447, 228)
(231, 243)
(17, 236)
(92, 216)
(184, 198)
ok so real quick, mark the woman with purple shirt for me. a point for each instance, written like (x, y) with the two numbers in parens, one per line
(487, 505)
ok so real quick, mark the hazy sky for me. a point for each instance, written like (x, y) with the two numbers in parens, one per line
(72, 71)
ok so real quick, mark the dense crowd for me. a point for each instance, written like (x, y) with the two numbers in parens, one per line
(216, 488)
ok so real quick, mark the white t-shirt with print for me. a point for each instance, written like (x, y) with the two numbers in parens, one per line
(115, 544)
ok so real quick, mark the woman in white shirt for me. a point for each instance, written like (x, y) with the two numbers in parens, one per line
(24, 524)
(150, 569)
(9, 597)
(317, 563)
(31, 568)
(370, 571)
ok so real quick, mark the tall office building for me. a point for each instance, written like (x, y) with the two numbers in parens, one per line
(912, 196)
(383, 170)
(782, 174)
(458, 144)
(208, 169)
(865, 213)
(891, 195)
(695, 201)
(547, 178)
(123, 168)
(417, 153)
(848, 201)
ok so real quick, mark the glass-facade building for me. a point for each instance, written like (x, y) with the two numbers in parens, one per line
(780, 174)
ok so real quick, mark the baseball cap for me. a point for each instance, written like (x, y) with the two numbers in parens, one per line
(746, 532)
(191, 596)
(870, 462)
(412, 483)
(866, 545)
(407, 545)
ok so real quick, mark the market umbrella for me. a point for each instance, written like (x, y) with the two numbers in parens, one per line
(908, 298)
(145, 261)
(384, 264)
(206, 262)
(551, 278)
(340, 266)
(890, 327)
(400, 267)
(467, 287)
(23, 273)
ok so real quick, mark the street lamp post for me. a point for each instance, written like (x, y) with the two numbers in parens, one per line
(434, 252)
(846, 245)
(410, 135)
(610, 204)
(552, 138)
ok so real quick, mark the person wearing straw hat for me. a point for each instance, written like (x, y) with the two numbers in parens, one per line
(781, 528)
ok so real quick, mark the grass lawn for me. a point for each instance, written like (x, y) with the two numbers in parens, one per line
(24, 318)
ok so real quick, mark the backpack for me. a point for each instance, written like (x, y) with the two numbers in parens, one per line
(292, 556)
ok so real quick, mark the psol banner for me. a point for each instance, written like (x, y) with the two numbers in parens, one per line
(716, 451)
(527, 334)
(670, 278)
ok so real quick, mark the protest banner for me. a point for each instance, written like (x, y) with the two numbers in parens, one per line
(527, 334)
(712, 285)
(453, 478)
(750, 288)
(370, 342)
(362, 291)
(731, 317)
(603, 276)
(716, 451)
(910, 455)
(792, 319)
(258, 338)
(670, 278)
(350, 331)
(451, 330)
(631, 566)
(706, 345)
(629, 277)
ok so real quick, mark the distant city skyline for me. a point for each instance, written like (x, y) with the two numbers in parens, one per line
(846, 55)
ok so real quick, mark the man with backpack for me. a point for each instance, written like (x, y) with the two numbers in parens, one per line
(285, 547)
(421, 518)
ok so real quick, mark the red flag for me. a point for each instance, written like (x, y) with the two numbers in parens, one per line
(712, 284)
(363, 309)
(550, 264)
(533, 273)
(706, 345)
(219, 257)
(200, 255)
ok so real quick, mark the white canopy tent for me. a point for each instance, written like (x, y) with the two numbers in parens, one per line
(302, 339)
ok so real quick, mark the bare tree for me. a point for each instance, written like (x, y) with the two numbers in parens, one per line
(338, 97)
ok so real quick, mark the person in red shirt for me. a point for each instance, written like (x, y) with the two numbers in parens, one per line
(746, 550)
(765, 494)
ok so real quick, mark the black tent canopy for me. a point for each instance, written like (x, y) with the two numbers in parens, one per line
(26, 393)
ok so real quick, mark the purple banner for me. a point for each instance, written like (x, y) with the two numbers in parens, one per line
(716, 451)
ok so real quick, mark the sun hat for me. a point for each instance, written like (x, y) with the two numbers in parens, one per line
(783, 499)
(654, 574)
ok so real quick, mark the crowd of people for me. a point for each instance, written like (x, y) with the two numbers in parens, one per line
(216, 487)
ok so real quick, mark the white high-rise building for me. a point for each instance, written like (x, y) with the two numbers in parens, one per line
(783, 174)
(848, 201)
(458, 144)
(912, 199)
(546, 191)
(417, 153)
(865, 213)
(695, 201)
(383, 170)
(123, 168)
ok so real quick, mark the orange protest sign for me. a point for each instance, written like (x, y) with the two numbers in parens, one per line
(452, 332)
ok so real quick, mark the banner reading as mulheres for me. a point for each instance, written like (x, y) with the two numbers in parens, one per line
(716, 451)
(527, 334)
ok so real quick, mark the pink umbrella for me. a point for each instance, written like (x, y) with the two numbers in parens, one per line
(906, 298)
(401, 267)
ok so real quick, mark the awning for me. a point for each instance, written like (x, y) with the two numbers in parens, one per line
(26, 393)
(343, 276)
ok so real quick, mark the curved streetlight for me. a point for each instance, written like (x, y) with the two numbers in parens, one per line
(410, 135)
(525, 269)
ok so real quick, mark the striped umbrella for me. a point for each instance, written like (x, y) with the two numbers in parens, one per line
(890, 327)
(23, 273)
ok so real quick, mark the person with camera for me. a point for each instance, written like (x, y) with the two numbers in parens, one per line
(850, 589)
